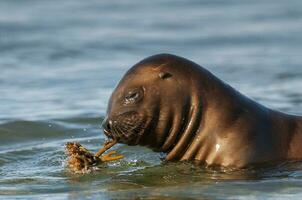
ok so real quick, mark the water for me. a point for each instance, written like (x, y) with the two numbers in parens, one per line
(60, 60)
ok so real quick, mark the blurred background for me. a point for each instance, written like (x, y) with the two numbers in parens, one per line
(60, 61)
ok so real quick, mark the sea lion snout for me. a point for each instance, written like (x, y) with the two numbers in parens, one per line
(123, 122)
(125, 128)
(107, 124)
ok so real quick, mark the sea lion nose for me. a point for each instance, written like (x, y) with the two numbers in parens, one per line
(107, 124)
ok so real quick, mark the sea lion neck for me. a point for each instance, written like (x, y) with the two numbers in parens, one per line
(294, 136)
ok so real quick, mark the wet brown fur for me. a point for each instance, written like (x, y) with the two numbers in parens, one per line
(186, 112)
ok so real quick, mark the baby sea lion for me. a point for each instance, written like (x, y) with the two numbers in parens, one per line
(173, 105)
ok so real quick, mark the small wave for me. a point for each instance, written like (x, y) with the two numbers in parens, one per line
(23, 131)
(30, 130)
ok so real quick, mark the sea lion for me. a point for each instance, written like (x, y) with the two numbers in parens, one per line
(173, 105)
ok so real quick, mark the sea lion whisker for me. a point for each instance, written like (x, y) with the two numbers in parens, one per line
(124, 131)
(128, 126)
(119, 130)
(116, 132)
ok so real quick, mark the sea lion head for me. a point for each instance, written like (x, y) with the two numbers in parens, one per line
(148, 100)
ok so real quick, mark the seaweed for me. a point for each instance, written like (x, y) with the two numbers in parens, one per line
(81, 160)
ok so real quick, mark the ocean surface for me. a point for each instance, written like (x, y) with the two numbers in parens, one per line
(60, 61)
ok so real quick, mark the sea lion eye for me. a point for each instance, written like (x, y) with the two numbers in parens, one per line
(164, 75)
(133, 96)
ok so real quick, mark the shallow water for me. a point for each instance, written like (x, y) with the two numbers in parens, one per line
(60, 60)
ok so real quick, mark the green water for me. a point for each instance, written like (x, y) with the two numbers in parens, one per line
(34, 167)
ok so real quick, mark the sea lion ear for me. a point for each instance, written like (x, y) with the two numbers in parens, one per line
(164, 75)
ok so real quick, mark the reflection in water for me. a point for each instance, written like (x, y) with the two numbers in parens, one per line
(185, 181)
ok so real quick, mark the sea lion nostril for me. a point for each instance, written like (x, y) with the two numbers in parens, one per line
(108, 127)
(107, 124)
